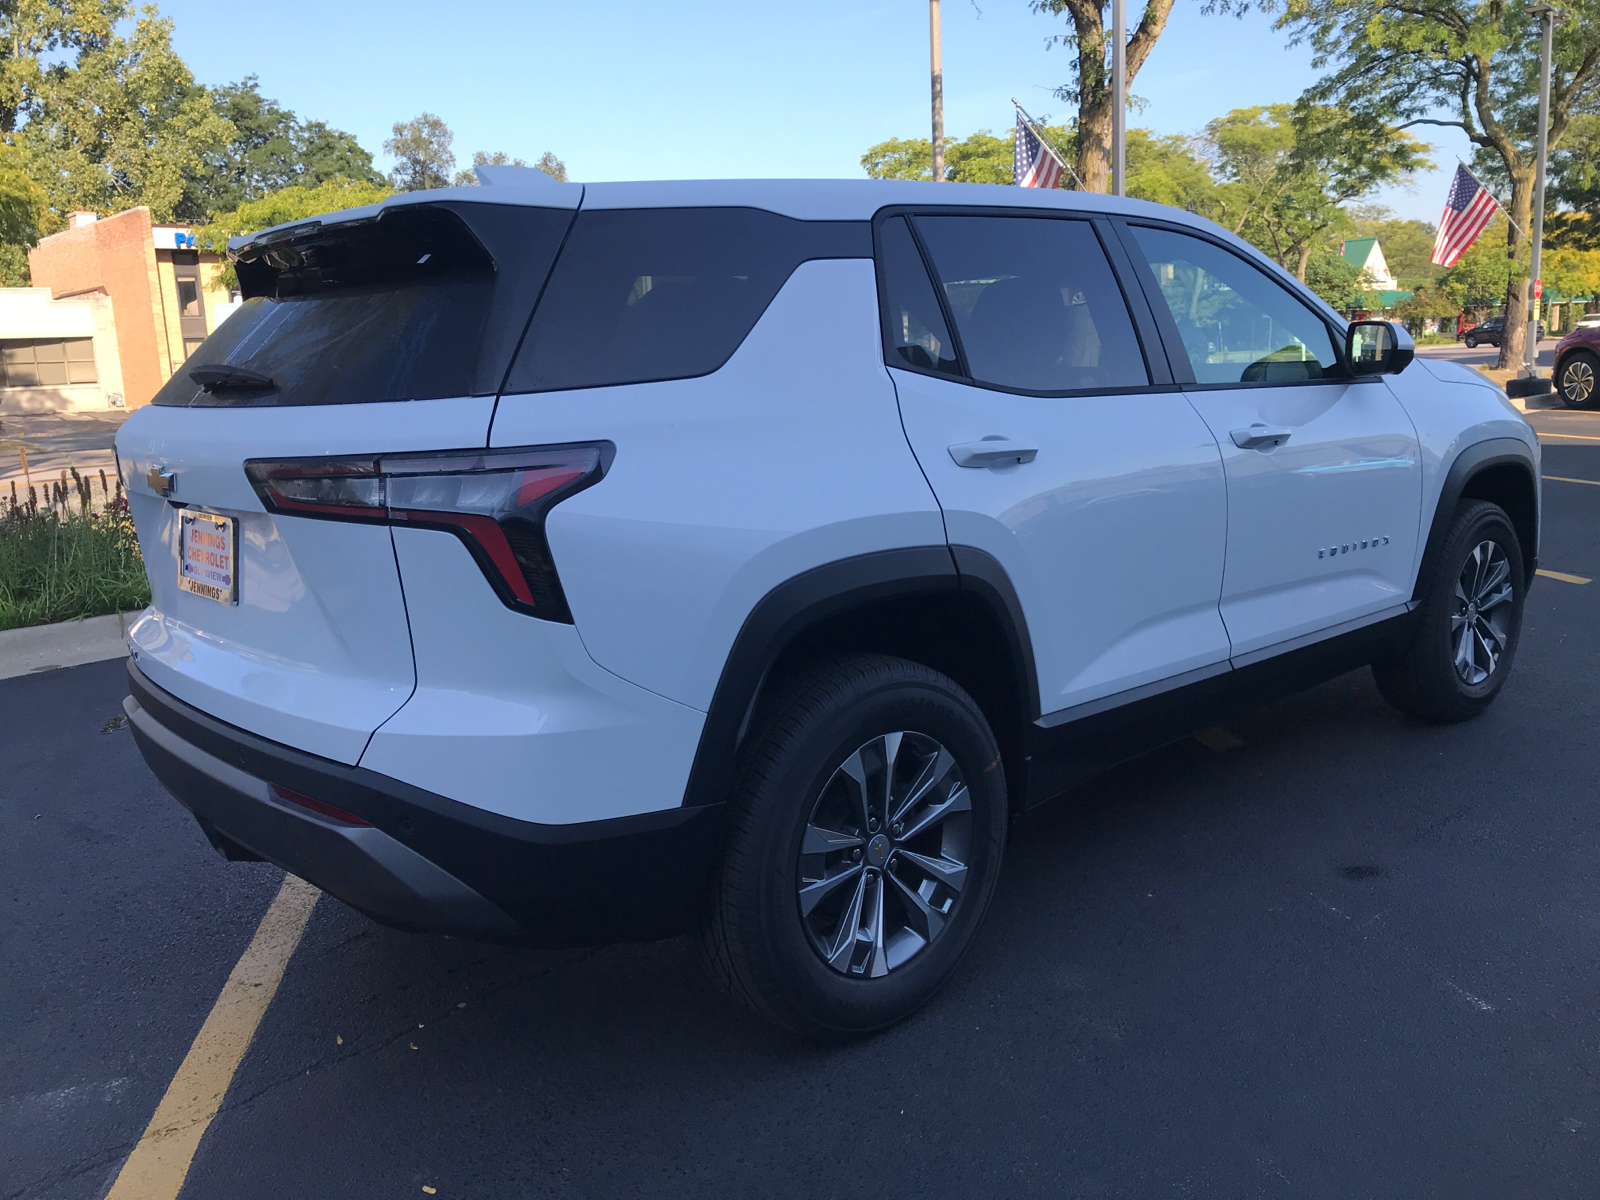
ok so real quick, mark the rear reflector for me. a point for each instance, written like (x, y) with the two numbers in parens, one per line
(317, 806)
(495, 501)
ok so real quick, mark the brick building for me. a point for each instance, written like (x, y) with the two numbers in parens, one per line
(162, 291)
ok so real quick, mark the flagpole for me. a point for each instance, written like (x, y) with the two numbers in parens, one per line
(1044, 140)
(1119, 94)
(1547, 19)
(938, 91)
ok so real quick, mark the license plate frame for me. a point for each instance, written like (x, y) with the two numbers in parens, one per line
(208, 565)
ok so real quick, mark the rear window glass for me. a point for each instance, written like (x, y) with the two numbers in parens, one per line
(640, 295)
(410, 306)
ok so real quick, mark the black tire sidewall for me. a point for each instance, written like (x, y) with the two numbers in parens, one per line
(822, 1001)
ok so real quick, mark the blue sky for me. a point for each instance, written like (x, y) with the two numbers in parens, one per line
(630, 90)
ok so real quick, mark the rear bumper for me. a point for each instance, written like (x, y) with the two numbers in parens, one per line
(422, 861)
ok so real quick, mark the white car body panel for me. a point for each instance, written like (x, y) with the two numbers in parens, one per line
(510, 713)
(1323, 529)
(723, 487)
(317, 653)
(1113, 537)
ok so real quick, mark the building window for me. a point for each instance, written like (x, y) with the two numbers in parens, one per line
(47, 362)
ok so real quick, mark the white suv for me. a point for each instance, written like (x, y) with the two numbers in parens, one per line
(569, 563)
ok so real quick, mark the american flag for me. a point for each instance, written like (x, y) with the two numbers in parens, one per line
(1466, 212)
(1032, 164)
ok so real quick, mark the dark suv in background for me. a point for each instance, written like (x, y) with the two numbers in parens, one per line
(1490, 331)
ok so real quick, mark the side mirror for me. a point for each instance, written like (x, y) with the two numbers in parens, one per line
(1378, 348)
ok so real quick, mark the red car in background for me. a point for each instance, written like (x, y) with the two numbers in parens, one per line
(1577, 373)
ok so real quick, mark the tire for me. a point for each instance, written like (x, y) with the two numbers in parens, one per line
(1578, 379)
(1440, 675)
(796, 819)
(1472, 343)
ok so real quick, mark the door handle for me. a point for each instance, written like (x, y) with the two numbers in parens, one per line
(1260, 437)
(992, 451)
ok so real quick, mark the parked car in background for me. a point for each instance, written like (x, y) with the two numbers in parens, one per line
(1578, 364)
(1587, 321)
(1491, 331)
(565, 564)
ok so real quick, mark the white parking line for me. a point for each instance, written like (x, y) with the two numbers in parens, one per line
(160, 1162)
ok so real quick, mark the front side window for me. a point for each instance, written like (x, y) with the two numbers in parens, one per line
(1237, 323)
(1035, 303)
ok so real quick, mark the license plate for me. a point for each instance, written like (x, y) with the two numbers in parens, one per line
(207, 564)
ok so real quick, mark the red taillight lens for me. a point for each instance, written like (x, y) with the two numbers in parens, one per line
(495, 501)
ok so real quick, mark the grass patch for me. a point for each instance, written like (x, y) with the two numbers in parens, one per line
(62, 562)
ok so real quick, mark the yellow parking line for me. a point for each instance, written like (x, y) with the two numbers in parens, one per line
(159, 1163)
(1219, 738)
(1562, 575)
(1564, 479)
(1577, 437)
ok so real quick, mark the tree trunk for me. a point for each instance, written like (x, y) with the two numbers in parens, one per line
(1515, 338)
(1300, 267)
(1094, 99)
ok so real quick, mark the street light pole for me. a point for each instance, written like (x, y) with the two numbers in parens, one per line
(1547, 20)
(1119, 97)
(938, 92)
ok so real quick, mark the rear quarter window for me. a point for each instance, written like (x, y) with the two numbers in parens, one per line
(641, 295)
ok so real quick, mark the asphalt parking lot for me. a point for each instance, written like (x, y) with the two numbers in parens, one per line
(1347, 955)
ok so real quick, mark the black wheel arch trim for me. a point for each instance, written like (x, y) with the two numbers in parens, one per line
(832, 590)
(1468, 464)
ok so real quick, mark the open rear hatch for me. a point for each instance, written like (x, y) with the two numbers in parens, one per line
(384, 334)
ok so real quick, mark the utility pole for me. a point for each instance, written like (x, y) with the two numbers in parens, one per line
(1119, 97)
(938, 92)
(1548, 16)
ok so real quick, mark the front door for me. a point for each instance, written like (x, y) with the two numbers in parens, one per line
(1324, 475)
(1049, 448)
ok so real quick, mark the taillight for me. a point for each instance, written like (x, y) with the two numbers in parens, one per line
(495, 501)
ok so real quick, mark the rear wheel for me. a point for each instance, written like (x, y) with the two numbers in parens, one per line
(1577, 380)
(1467, 628)
(865, 839)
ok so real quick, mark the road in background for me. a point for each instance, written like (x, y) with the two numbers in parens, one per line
(1485, 355)
(1354, 955)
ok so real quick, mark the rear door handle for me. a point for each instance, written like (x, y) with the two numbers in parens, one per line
(992, 451)
(1260, 437)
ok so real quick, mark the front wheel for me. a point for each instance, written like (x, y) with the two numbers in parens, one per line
(1468, 625)
(865, 838)
(1576, 380)
(1472, 343)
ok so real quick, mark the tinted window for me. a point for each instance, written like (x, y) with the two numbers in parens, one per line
(647, 294)
(1238, 324)
(914, 328)
(1035, 303)
(415, 305)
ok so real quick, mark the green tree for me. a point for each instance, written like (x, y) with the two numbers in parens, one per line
(422, 146)
(122, 123)
(1407, 245)
(33, 30)
(1288, 170)
(1468, 64)
(1342, 284)
(980, 158)
(290, 204)
(546, 162)
(273, 149)
(1165, 169)
(1575, 185)
(1090, 89)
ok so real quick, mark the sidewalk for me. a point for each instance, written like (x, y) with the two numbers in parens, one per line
(56, 442)
(36, 648)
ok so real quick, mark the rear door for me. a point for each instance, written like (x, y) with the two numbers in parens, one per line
(1056, 449)
(1324, 474)
(383, 334)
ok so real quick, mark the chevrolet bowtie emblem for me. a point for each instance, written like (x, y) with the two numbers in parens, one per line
(161, 482)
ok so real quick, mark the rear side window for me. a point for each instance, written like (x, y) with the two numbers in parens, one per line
(1237, 323)
(914, 326)
(1035, 303)
(641, 295)
(416, 304)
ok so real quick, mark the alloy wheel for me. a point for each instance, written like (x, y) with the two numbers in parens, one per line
(885, 854)
(1481, 616)
(1577, 381)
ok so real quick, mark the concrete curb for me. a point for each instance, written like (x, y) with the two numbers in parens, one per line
(66, 644)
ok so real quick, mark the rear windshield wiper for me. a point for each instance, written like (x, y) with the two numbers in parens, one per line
(231, 379)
